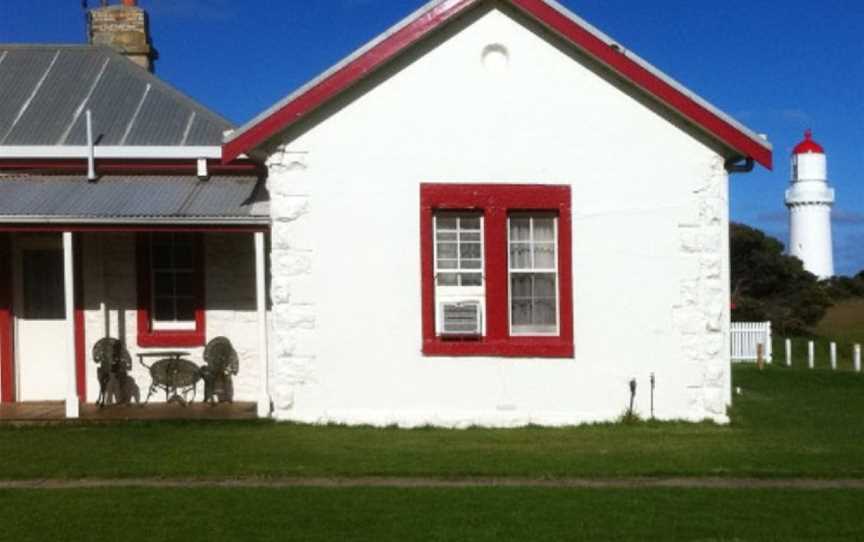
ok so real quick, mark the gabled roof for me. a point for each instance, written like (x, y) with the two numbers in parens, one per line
(45, 90)
(716, 124)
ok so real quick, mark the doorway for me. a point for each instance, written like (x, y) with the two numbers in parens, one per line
(40, 318)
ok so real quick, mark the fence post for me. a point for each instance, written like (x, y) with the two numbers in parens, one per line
(760, 356)
(857, 358)
(788, 352)
(769, 346)
(833, 356)
(811, 355)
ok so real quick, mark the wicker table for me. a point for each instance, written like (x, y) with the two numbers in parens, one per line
(177, 376)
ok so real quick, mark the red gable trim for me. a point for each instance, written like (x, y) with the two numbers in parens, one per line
(546, 15)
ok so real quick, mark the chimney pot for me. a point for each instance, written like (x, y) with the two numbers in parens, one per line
(130, 3)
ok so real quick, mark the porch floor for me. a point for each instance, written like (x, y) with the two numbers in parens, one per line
(55, 412)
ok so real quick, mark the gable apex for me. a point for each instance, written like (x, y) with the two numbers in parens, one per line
(717, 125)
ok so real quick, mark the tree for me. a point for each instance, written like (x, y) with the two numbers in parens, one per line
(769, 285)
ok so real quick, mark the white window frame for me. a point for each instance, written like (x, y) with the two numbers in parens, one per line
(167, 325)
(553, 271)
(459, 293)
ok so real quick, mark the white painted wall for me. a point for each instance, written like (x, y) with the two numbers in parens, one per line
(650, 243)
(109, 276)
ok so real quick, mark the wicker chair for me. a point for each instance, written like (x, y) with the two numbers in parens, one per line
(115, 384)
(222, 364)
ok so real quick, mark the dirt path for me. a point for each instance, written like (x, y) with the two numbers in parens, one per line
(572, 483)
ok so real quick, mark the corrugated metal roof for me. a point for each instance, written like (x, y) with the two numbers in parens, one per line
(45, 89)
(133, 197)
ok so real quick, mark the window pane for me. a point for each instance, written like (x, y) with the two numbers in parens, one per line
(448, 279)
(544, 286)
(544, 229)
(544, 256)
(184, 284)
(184, 257)
(448, 250)
(162, 256)
(470, 236)
(163, 284)
(521, 313)
(448, 264)
(472, 264)
(185, 309)
(472, 279)
(520, 286)
(520, 256)
(470, 223)
(544, 316)
(533, 303)
(520, 229)
(163, 309)
(446, 222)
(447, 236)
(469, 250)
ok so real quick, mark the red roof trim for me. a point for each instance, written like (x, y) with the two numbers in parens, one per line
(546, 15)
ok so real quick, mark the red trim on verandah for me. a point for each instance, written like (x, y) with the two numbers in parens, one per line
(539, 10)
(495, 201)
(7, 347)
(80, 339)
(147, 336)
(116, 166)
(132, 228)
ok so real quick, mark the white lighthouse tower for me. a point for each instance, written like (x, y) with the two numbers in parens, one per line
(809, 200)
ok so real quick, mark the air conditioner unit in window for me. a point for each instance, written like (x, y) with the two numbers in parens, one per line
(461, 318)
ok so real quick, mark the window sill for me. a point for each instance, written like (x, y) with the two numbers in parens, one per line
(173, 339)
(514, 347)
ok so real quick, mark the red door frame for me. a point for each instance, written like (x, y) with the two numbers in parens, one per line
(7, 347)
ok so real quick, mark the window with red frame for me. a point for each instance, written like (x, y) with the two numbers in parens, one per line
(500, 254)
(170, 290)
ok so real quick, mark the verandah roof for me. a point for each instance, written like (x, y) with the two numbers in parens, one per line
(228, 199)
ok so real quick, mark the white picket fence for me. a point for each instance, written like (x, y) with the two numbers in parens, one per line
(745, 336)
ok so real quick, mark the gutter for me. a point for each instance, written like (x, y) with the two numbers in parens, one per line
(148, 152)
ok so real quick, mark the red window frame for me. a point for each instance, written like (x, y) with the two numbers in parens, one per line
(496, 202)
(149, 337)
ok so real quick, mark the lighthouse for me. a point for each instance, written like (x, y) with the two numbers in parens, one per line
(809, 199)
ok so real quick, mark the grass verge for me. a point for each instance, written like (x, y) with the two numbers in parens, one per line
(430, 514)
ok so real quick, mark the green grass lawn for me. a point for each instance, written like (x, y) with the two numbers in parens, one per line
(787, 423)
(429, 514)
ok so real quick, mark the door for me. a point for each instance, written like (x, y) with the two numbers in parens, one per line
(40, 325)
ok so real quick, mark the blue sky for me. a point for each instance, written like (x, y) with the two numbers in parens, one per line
(778, 67)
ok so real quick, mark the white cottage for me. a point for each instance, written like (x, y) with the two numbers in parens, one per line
(493, 214)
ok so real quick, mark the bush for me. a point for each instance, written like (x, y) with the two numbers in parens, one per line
(770, 285)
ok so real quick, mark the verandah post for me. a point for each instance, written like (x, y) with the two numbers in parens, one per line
(788, 352)
(261, 305)
(857, 358)
(72, 400)
(811, 355)
(834, 356)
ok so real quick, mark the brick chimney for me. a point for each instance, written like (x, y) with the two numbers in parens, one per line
(125, 28)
